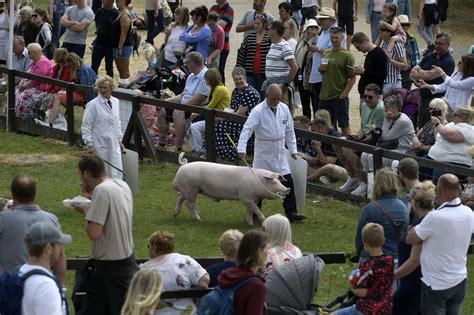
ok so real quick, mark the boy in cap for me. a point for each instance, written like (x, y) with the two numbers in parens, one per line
(42, 293)
(412, 52)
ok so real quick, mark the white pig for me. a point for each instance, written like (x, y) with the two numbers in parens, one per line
(221, 181)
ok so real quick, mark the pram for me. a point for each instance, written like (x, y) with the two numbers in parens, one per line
(164, 78)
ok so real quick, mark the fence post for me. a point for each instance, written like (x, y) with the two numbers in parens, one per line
(11, 101)
(70, 114)
(210, 136)
(378, 159)
(136, 128)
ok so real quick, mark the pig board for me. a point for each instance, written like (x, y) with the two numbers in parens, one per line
(299, 169)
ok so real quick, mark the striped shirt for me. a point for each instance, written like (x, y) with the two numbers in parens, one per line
(195, 84)
(226, 13)
(247, 50)
(276, 66)
(394, 73)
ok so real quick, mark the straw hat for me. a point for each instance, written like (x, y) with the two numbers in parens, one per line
(310, 23)
(403, 19)
(326, 13)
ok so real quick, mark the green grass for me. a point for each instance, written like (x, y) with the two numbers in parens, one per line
(330, 225)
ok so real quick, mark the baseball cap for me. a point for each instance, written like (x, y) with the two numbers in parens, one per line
(409, 167)
(42, 233)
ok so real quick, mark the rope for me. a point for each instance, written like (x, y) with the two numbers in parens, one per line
(279, 195)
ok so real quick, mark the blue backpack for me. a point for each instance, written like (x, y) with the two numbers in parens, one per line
(221, 300)
(11, 290)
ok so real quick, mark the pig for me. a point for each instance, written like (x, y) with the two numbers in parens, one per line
(230, 182)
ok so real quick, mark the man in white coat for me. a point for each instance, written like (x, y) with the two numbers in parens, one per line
(101, 129)
(273, 126)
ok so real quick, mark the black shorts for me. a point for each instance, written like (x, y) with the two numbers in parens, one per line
(347, 24)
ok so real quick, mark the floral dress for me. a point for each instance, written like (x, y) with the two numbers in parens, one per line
(279, 256)
(224, 147)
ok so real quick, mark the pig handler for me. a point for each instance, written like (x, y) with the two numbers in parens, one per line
(273, 126)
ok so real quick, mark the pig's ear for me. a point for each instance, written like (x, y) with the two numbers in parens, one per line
(281, 178)
(269, 175)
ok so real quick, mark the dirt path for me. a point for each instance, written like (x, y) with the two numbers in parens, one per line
(461, 40)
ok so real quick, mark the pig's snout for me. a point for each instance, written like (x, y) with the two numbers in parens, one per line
(286, 191)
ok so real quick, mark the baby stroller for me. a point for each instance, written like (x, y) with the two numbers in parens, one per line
(292, 286)
(163, 79)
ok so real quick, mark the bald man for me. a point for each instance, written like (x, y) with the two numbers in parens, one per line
(445, 234)
(273, 126)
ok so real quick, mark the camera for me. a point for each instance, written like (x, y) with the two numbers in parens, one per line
(436, 112)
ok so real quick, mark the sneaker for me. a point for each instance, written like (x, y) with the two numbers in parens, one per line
(350, 184)
(361, 190)
(324, 179)
(42, 123)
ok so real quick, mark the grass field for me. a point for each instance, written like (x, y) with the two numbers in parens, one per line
(330, 226)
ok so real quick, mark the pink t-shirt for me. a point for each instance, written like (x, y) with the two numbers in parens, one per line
(219, 37)
(42, 67)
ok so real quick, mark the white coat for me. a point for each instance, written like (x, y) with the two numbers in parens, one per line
(272, 131)
(101, 129)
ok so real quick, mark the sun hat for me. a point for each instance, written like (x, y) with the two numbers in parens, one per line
(42, 233)
(309, 23)
(403, 19)
(326, 13)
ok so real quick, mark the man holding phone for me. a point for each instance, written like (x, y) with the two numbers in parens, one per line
(441, 57)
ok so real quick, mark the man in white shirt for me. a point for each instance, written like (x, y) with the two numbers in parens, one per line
(273, 126)
(42, 292)
(445, 234)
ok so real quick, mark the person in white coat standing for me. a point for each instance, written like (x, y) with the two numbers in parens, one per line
(273, 126)
(101, 129)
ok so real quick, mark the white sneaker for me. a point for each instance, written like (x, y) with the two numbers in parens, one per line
(351, 183)
(361, 190)
(324, 179)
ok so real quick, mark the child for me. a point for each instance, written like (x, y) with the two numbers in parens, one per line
(374, 289)
(391, 22)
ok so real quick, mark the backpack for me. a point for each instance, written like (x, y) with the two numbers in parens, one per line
(221, 300)
(296, 4)
(11, 290)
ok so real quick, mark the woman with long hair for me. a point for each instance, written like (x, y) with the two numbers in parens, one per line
(291, 34)
(45, 34)
(253, 52)
(250, 298)
(385, 209)
(406, 300)
(458, 86)
(122, 39)
(143, 294)
(199, 34)
(172, 32)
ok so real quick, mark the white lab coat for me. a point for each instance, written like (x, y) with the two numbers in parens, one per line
(101, 128)
(271, 133)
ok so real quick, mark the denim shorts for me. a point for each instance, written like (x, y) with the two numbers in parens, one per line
(126, 52)
(350, 310)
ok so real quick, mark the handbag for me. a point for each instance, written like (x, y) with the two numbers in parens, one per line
(398, 227)
(388, 144)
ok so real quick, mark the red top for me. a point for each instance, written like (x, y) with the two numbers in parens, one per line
(250, 297)
(257, 65)
(65, 75)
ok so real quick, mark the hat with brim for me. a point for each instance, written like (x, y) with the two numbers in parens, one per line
(310, 23)
(42, 233)
(326, 13)
(403, 19)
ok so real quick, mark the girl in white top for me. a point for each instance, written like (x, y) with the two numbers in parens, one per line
(459, 86)
(291, 34)
(172, 34)
(278, 229)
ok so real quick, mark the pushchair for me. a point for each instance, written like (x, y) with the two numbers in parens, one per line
(164, 78)
(292, 286)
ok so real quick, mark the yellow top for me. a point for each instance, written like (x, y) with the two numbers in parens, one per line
(218, 99)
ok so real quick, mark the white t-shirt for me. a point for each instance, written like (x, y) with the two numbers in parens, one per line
(446, 234)
(445, 151)
(276, 66)
(40, 294)
(178, 272)
(174, 36)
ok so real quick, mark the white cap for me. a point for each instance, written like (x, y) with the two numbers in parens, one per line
(308, 23)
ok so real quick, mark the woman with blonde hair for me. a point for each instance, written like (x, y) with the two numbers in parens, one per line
(281, 250)
(453, 141)
(172, 33)
(218, 99)
(385, 209)
(144, 293)
(407, 298)
(291, 34)
(178, 272)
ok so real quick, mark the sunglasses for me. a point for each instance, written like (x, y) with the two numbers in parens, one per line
(368, 97)
(336, 30)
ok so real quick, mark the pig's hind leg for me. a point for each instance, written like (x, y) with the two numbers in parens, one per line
(251, 209)
(191, 203)
(179, 204)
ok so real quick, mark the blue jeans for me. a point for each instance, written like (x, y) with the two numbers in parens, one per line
(100, 52)
(58, 30)
(375, 18)
(154, 25)
(256, 81)
(350, 310)
(442, 302)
